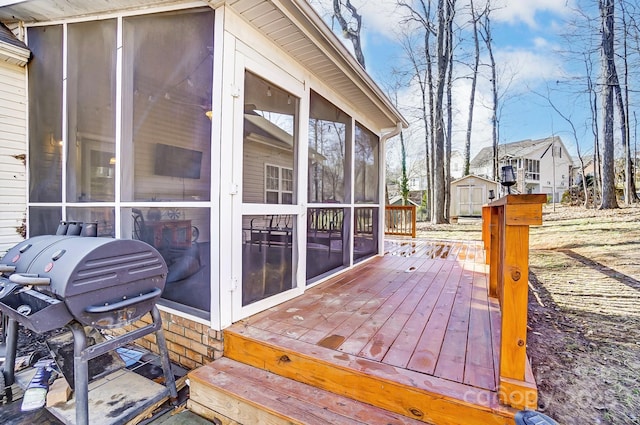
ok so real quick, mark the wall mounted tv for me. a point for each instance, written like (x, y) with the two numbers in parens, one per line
(174, 161)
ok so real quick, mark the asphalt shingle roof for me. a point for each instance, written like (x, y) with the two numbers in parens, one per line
(515, 150)
(6, 36)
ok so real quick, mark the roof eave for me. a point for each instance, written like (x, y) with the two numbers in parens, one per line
(13, 54)
(342, 55)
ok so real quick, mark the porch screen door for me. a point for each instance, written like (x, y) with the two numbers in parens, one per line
(265, 245)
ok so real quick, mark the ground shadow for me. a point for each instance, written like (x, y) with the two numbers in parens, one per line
(608, 271)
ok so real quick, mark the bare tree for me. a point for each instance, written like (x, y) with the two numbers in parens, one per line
(449, 132)
(438, 68)
(351, 27)
(607, 10)
(474, 80)
(630, 195)
(404, 180)
(595, 130)
(422, 63)
(486, 36)
(444, 53)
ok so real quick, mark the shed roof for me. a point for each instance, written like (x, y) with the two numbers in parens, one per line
(292, 24)
(475, 177)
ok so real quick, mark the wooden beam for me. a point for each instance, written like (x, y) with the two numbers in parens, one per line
(425, 398)
(515, 272)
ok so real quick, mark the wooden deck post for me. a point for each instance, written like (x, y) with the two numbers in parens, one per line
(486, 235)
(507, 236)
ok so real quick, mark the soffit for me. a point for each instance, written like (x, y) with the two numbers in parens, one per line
(296, 28)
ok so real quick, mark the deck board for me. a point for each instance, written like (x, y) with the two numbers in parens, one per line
(423, 307)
(418, 316)
(427, 352)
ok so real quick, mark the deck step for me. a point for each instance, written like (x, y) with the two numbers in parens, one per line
(404, 392)
(248, 395)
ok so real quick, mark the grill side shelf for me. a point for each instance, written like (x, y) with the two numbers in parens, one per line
(46, 314)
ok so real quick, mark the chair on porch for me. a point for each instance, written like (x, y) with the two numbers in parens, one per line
(182, 262)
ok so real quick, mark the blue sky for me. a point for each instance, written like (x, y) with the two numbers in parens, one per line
(527, 46)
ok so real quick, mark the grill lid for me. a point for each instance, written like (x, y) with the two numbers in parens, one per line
(103, 282)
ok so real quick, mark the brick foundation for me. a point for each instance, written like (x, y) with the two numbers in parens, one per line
(190, 344)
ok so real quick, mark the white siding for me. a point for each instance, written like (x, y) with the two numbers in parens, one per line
(13, 145)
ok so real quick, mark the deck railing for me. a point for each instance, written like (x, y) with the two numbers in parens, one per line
(505, 233)
(400, 220)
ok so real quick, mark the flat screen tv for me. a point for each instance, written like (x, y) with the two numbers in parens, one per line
(174, 161)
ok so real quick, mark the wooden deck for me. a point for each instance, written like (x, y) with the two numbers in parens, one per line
(413, 333)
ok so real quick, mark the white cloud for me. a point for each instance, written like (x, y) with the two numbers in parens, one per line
(527, 67)
(512, 12)
(541, 43)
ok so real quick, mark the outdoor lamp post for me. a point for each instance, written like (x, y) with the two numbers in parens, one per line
(508, 177)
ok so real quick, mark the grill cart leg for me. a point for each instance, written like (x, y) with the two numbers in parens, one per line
(10, 356)
(170, 380)
(82, 354)
(80, 373)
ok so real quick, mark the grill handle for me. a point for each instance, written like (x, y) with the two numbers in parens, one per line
(5, 268)
(105, 308)
(29, 279)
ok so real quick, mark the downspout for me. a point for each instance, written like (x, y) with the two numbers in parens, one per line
(383, 141)
(383, 174)
(392, 133)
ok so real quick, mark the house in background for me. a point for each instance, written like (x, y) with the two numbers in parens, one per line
(241, 139)
(419, 182)
(542, 166)
(457, 164)
(14, 56)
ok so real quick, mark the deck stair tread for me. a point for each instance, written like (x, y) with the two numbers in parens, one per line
(415, 395)
(251, 394)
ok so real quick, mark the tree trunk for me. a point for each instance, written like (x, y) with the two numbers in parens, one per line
(445, 12)
(404, 181)
(494, 90)
(593, 103)
(609, 200)
(630, 195)
(472, 96)
(447, 149)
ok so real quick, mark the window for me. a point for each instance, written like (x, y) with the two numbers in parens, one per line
(366, 166)
(91, 124)
(515, 163)
(329, 134)
(168, 69)
(269, 146)
(278, 185)
(45, 116)
(165, 139)
(531, 169)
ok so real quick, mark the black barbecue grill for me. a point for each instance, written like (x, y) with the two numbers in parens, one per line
(54, 281)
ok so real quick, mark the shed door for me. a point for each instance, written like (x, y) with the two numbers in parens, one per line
(470, 200)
